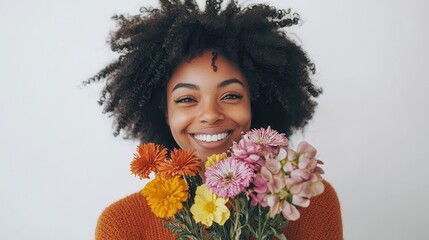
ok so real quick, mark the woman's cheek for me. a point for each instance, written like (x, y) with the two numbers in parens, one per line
(246, 116)
(179, 121)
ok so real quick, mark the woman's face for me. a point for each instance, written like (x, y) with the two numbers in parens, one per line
(207, 110)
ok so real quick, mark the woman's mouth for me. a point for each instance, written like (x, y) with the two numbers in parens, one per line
(211, 137)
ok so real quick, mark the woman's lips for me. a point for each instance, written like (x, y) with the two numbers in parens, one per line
(211, 137)
(210, 141)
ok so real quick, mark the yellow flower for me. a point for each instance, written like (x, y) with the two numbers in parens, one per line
(165, 196)
(209, 208)
(213, 159)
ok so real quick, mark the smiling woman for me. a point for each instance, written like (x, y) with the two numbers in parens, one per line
(207, 109)
(197, 80)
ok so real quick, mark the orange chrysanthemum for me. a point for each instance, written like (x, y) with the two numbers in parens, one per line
(183, 162)
(147, 159)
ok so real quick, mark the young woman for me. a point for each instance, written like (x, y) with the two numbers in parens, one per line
(197, 79)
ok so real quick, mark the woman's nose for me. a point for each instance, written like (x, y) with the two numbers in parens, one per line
(211, 113)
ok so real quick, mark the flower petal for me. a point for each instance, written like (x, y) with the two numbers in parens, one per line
(300, 201)
(290, 212)
(307, 149)
(266, 174)
(288, 167)
(282, 154)
(317, 188)
(273, 165)
(291, 155)
(296, 188)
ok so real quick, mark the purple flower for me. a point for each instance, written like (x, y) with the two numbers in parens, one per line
(249, 152)
(229, 177)
(269, 137)
(259, 191)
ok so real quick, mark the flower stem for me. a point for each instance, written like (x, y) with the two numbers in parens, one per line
(265, 224)
(261, 226)
(236, 230)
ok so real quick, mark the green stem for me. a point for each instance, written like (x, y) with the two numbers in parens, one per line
(265, 224)
(224, 232)
(259, 222)
(261, 229)
(236, 232)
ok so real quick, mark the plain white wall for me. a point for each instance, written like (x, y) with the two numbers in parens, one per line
(60, 165)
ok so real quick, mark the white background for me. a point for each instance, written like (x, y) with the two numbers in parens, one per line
(60, 165)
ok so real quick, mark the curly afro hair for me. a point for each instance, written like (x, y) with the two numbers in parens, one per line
(152, 43)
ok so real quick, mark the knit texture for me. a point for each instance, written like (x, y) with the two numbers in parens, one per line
(131, 218)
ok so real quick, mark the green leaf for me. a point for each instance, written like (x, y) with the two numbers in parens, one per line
(278, 234)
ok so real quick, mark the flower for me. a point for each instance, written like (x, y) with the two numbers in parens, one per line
(214, 159)
(304, 171)
(260, 184)
(279, 198)
(288, 181)
(249, 152)
(165, 196)
(147, 159)
(275, 182)
(312, 187)
(255, 182)
(209, 208)
(268, 137)
(307, 156)
(229, 177)
(288, 210)
(273, 165)
(260, 190)
(183, 162)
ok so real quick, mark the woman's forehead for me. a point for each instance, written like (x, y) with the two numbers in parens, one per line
(200, 70)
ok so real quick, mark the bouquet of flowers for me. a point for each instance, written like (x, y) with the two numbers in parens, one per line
(251, 191)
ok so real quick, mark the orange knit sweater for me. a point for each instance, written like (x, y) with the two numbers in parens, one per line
(131, 219)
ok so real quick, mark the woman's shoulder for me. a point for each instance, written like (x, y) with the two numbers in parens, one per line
(321, 220)
(328, 198)
(135, 201)
(130, 218)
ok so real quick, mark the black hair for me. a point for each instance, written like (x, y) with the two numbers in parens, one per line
(152, 43)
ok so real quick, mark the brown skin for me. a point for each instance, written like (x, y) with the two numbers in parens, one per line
(201, 101)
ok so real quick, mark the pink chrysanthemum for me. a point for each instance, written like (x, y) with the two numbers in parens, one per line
(268, 137)
(249, 152)
(229, 177)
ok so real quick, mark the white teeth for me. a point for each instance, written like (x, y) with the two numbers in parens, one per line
(211, 138)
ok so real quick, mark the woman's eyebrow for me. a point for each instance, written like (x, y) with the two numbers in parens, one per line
(229, 81)
(186, 85)
(195, 87)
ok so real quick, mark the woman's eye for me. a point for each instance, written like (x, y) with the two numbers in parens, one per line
(184, 100)
(232, 96)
